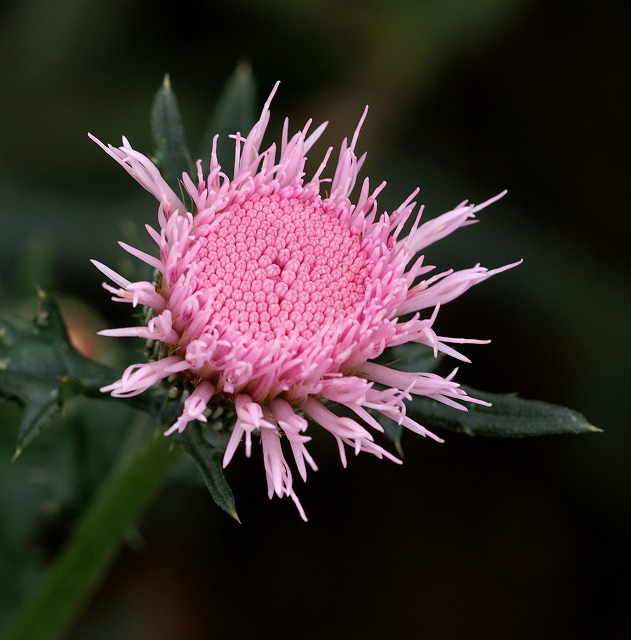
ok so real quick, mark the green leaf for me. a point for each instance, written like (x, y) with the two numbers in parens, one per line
(40, 369)
(235, 112)
(171, 153)
(508, 417)
(208, 459)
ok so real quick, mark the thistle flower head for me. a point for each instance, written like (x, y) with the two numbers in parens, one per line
(276, 293)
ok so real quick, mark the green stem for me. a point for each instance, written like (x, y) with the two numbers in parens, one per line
(84, 484)
(98, 537)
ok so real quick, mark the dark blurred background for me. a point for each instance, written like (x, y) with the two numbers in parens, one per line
(470, 539)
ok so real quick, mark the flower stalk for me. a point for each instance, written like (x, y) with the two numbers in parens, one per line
(80, 568)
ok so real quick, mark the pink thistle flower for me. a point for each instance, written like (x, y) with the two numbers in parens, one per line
(278, 298)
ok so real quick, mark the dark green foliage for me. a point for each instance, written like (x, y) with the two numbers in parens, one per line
(234, 112)
(208, 460)
(171, 153)
(41, 370)
(508, 417)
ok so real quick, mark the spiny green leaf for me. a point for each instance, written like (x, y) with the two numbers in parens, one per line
(40, 369)
(235, 112)
(171, 153)
(208, 459)
(508, 417)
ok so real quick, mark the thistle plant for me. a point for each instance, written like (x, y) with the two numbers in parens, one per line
(277, 304)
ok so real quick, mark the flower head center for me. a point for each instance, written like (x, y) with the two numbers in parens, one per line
(281, 266)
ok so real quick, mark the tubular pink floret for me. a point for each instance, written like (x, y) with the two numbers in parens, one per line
(159, 328)
(249, 418)
(446, 287)
(423, 384)
(143, 171)
(293, 425)
(145, 293)
(111, 274)
(135, 292)
(194, 407)
(139, 377)
(438, 228)
(277, 293)
(345, 430)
